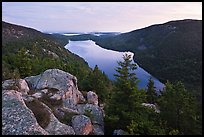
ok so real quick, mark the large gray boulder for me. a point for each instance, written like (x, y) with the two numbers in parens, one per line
(65, 83)
(69, 103)
(97, 130)
(17, 118)
(82, 125)
(92, 98)
(16, 84)
(52, 78)
(119, 132)
(93, 111)
(152, 106)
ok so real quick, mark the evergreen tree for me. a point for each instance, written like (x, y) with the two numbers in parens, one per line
(178, 108)
(151, 92)
(98, 82)
(126, 74)
(23, 63)
(126, 84)
(124, 109)
(126, 98)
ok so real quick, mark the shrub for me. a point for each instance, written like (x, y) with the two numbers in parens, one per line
(88, 113)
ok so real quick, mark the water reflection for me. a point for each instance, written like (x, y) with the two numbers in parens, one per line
(107, 60)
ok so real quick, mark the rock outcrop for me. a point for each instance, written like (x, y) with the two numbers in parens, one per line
(98, 130)
(17, 118)
(94, 111)
(152, 106)
(57, 128)
(96, 115)
(65, 83)
(119, 132)
(92, 98)
(17, 84)
(82, 125)
(57, 94)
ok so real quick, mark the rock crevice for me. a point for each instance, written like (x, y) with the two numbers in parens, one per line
(69, 115)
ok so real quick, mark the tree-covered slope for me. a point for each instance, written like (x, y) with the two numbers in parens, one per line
(29, 52)
(170, 51)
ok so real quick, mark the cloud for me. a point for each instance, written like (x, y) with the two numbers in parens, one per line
(97, 16)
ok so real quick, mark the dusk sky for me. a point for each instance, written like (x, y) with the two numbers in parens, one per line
(97, 16)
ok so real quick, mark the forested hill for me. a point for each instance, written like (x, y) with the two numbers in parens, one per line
(26, 52)
(170, 51)
(12, 32)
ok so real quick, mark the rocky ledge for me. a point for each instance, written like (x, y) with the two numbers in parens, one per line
(49, 104)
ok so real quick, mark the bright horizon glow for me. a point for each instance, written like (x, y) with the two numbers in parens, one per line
(97, 16)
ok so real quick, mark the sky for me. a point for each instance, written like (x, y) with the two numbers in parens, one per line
(97, 16)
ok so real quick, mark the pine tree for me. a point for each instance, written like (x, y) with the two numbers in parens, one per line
(126, 83)
(23, 63)
(151, 92)
(125, 98)
(99, 84)
(124, 109)
(178, 108)
(126, 74)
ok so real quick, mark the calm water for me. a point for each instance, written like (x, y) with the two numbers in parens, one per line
(107, 60)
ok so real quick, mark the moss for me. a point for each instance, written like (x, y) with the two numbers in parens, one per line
(42, 115)
(88, 113)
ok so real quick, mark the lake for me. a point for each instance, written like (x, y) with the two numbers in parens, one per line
(107, 60)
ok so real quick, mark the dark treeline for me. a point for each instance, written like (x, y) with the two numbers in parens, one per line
(175, 111)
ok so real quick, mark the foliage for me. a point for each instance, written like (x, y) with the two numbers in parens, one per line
(23, 62)
(88, 113)
(151, 92)
(174, 132)
(179, 108)
(110, 122)
(98, 82)
(146, 127)
(125, 98)
(179, 113)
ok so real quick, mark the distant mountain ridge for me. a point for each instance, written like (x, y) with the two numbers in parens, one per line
(167, 51)
(170, 51)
